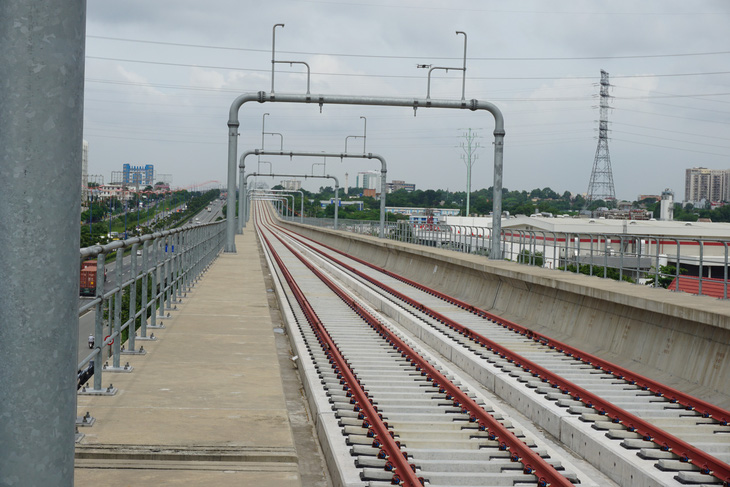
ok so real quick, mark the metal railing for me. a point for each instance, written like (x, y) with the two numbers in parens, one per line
(698, 265)
(171, 262)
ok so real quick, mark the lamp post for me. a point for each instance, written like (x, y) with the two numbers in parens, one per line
(263, 124)
(91, 211)
(271, 168)
(281, 142)
(111, 201)
(324, 167)
(364, 134)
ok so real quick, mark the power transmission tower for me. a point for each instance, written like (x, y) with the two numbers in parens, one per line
(600, 186)
(469, 146)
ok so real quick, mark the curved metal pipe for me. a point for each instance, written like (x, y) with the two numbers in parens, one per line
(473, 105)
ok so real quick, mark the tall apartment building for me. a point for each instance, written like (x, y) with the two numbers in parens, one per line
(369, 180)
(292, 184)
(397, 184)
(142, 175)
(701, 183)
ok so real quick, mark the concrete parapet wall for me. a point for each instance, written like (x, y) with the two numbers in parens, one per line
(678, 339)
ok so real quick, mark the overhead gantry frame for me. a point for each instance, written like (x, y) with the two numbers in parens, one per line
(415, 103)
(338, 155)
(244, 190)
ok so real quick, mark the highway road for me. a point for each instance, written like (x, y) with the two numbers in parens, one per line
(86, 322)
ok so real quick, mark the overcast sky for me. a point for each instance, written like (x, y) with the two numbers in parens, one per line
(161, 76)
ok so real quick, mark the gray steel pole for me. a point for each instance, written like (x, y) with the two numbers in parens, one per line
(414, 103)
(231, 200)
(496, 252)
(301, 214)
(241, 199)
(337, 202)
(41, 115)
(305, 176)
(383, 171)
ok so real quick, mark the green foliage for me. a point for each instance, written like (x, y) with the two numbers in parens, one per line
(527, 257)
(667, 273)
(610, 272)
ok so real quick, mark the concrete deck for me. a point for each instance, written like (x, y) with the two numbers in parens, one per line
(678, 339)
(207, 404)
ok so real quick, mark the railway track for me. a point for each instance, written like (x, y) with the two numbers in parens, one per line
(439, 426)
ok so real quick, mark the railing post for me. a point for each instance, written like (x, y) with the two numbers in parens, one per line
(656, 261)
(724, 292)
(132, 329)
(116, 347)
(145, 292)
(154, 271)
(167, 269)
(702, 248)
(176, 268)
(621, 258)
(161, 261)
(99, 320)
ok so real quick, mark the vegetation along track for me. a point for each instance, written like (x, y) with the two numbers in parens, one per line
(653, 434)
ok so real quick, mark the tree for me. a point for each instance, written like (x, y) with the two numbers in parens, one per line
(667, 274)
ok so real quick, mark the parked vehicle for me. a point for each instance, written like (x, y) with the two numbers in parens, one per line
(87, 281)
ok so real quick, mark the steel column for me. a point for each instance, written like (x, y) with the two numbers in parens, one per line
(41, 115)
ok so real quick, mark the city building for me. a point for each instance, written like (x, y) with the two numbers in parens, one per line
(291, 184)
(113, 190)
(702, 184)
(666, 210)
(643, 197)
(638, 247)
(358, 204)
(142, 175)
(396, 184)
(369, 180)
(623, 213)
(420, 215)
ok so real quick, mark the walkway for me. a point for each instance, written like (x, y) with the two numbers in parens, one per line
(206, 405)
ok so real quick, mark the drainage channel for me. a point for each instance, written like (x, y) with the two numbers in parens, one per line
(706, 435)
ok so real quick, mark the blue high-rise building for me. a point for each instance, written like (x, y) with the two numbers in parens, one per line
(142, 175)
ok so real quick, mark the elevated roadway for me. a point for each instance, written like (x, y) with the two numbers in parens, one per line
(675, 338)
(217, 399)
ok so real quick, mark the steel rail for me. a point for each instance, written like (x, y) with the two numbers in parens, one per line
(692, 403)
(520, 452)
(707, 463)
(350, 382)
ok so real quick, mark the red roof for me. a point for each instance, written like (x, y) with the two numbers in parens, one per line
(710, 287)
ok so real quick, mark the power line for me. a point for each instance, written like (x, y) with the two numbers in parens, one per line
(673, 140)
(360, 75)
(671, 148)
(665, 93)
(532, 12)
(379, 56)
(676, 116)
(671, 131)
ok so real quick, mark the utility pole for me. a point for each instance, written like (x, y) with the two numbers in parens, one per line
(469, 146)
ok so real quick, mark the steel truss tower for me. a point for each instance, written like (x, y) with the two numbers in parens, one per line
(601, 185)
